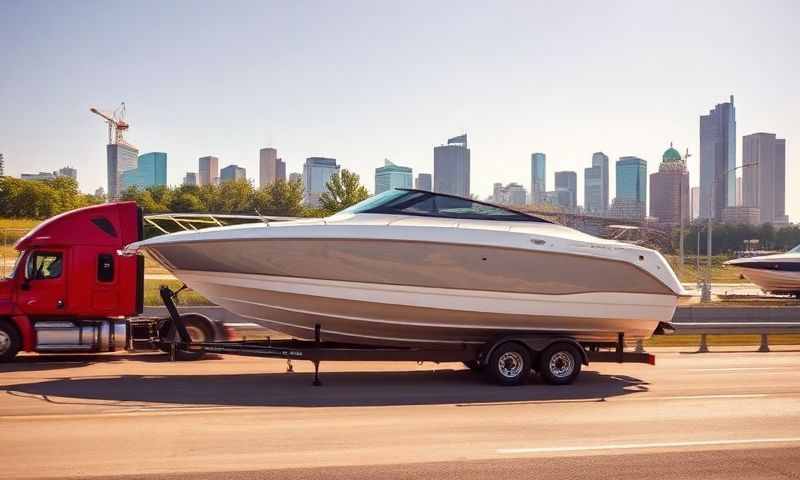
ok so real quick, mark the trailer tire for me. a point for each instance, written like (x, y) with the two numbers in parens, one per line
(10, 341)
(509, 364)
(560, 364)
(199, 329)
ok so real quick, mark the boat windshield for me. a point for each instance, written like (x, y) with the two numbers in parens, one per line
(795, 249)
(430, 204)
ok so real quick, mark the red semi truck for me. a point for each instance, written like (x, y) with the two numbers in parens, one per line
(71, 289)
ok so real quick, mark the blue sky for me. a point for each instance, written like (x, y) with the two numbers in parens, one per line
(361, 81)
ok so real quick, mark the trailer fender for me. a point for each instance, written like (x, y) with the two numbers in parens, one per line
(534, 343)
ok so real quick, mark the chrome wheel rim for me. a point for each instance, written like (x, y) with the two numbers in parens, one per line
(510, 364)
(562, 364)
(5, 342)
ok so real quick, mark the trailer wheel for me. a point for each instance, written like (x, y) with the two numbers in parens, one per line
(560, 364)
(199, 330)
(509, 364)
(10, 342)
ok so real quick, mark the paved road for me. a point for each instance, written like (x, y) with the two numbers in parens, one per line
(720, 415)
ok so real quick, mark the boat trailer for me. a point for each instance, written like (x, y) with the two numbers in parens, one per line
(508, 348)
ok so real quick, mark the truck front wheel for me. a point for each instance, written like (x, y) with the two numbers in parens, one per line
(10, 342)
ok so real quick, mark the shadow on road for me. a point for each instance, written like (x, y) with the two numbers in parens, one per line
(339, 389)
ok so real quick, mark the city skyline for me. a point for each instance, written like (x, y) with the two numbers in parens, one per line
(486, 89)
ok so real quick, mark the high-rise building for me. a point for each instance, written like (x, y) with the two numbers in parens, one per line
(631, 198)
(600, 159)
(208, 171)
(151, 170)
(695, 201)
(232, 173)
(190, 179)
(764, 183)
(451, 165)
(567, 181)
(316, 173)
(538, 177)
(424, 181)
(120, 157)
(718, 160)
(739, 192)
(270, 167)
(2, 171)
(296, 177)
(100, 193)
(511, 194)
(68, 172)
(669, 189)
(391, 176)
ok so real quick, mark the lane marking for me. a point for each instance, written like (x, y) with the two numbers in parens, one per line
(736, 369)
(635, 446)
(707, 397)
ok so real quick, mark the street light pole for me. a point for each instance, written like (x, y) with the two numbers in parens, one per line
(706, 291)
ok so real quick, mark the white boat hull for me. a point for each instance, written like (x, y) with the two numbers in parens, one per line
(398, 314)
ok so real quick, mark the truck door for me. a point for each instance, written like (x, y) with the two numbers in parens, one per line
(43, 290)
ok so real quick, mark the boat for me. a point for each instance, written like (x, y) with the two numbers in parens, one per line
(415, 268)
(778, 273)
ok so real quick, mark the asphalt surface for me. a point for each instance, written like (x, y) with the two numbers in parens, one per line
(721, 415)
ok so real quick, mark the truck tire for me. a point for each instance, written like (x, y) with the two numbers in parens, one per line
(509, 364)
(560, 364)
(10, 341)
(199, 330)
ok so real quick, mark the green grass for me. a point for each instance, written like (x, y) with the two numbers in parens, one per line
(719, 272)
(186, 297)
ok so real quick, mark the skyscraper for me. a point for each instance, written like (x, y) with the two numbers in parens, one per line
(717, 160)
(190, 179)
(695, 202)
(567, 181)
(208, 171)
(151, 170)
(296, 177)
(631, 198)
(424, 181)
(232, 173)
(120, 157)
(316, 173)
(391, 176)
(538, 177)
(600, 159)
(669, 189)
(451, 165)
(764, 183)
(270, 167)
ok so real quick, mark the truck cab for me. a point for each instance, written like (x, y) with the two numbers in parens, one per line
(71, 288)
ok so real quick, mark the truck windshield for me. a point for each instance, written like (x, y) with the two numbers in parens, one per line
(10, 273)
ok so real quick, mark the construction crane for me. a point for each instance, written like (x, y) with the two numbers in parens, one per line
(116, 123)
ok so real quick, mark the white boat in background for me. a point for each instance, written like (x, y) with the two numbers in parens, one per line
(411, 267)
(778, 273)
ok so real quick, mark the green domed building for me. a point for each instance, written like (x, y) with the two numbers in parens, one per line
(669, 188)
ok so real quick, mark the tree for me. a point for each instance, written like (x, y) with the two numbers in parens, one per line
(344, 190)
(236, 197)
(280, 198)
